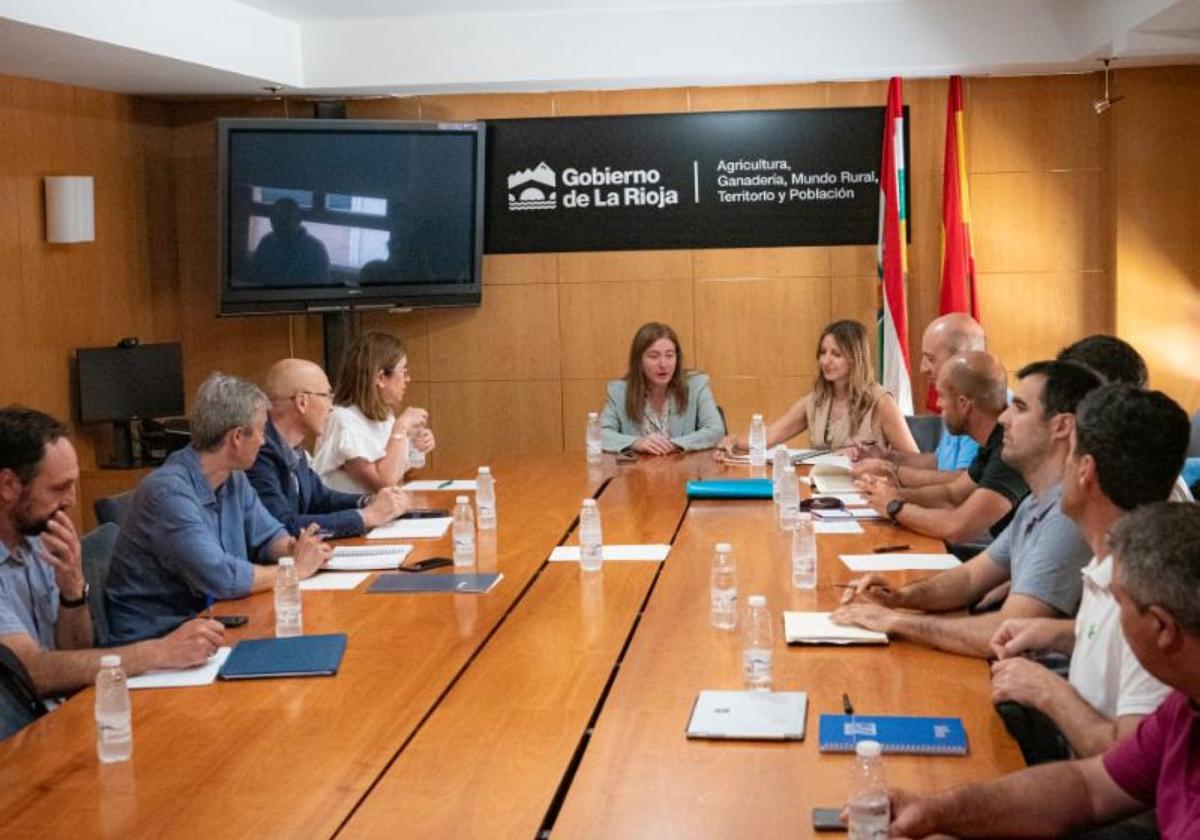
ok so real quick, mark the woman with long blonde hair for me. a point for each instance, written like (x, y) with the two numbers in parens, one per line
(845, 406)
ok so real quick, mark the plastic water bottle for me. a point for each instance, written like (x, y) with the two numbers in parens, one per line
(870, 810)
(804, 553)
(595, 441)
(464, 533)
(591, 537)
(756, 650)
(485, 500)
(723, 588)
(758, 441)
(789, 499)
(114, 718)
(778, 465)
(288, 616)
(416, 457)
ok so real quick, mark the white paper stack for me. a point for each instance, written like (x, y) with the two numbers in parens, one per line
(898, 562)
(456, 486)
(815, 628)
(334, 581)
(412, 529)
(183, 677)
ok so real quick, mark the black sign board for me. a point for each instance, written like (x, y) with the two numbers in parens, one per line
(718, 180)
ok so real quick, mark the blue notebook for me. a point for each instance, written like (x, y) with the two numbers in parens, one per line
(461, 584)
(292, 656)
(935, 735)
(730, 488)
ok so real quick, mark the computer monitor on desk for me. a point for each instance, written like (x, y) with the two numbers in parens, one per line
(129, 382)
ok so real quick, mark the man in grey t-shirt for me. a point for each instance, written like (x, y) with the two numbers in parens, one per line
(1041, 551)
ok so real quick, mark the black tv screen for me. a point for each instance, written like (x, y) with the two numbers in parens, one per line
(333, 214)
(124, 383)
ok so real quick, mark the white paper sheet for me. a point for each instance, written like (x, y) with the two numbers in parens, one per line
(900, 561)
(184, 678)
(412, 529)
(792, 453)
(570, 553)
(816, 628)
(831, 459)
(848, 525)
(366, 558)
(866, 513)
(425, 485)
(848, 498)
(334, 581)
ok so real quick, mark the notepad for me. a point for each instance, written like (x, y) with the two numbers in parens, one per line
(293, 656)
(830, 477)
(866, 513)
(933, 735)
(425, 485)
(182, 677)
(815, 628)
(334, 581)
(849, 498)
(844, 526)
(366, 558)
(457, 584)
(749, 715)
(570, 553)
(412, 529)
(898, 562)
(730, 488)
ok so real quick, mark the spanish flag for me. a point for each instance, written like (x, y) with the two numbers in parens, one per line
(958, 261)
(892, 256)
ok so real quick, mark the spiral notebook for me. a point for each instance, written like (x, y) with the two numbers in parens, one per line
(931, 735)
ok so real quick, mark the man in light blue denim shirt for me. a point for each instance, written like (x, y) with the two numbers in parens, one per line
(196, 524)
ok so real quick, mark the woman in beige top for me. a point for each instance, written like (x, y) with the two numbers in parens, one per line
(845, 405)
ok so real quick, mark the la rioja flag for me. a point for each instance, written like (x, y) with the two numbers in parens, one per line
(892, 257)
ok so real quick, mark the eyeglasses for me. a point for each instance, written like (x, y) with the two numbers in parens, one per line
(325, 394)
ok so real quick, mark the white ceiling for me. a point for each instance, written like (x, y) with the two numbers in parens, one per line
(357, 47)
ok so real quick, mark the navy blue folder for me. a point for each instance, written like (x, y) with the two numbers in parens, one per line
(730, 488)
(292, 656)
(936, 735)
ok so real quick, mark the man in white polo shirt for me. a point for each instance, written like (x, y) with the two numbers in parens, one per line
(1126, 450)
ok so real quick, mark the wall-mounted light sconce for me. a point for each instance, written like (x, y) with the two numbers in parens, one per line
(70, 209)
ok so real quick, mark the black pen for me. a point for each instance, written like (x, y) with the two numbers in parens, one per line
(884, 549)
(846, 705)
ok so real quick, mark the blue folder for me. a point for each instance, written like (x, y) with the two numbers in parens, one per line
(461, 584)
(730, 488)
(292, 656)
(934, 735)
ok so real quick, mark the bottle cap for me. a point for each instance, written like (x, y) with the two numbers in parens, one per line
(589, 502)
(593, 415)
(460, 500)
(485, 470)
(287, 562)
(754, 417)
(757, 600)
(110, 660)
(868, 749)
(724, 548)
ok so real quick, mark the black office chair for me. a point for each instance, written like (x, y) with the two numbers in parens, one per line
(113, 508)
(926, 431)
(97, 556)
(19, 701)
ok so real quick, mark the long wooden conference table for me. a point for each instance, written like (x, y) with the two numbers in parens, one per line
(554, 705)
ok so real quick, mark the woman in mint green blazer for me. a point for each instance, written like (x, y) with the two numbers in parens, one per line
(659, 407)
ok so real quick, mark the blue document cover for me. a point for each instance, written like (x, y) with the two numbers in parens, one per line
(934, 735)
(460, 584)
(293, 656)
(730, 488)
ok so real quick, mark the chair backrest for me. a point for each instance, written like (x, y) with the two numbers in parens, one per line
(1194, 444)
(113, 508)
(926, 431)
(97, 556)
(19, 702)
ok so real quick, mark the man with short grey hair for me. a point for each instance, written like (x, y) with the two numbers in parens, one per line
(196, 529)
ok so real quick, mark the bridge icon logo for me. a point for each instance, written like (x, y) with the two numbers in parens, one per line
(533, 189)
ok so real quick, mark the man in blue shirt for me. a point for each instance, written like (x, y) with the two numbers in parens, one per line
(196, 524)
(288, 487)
(44, 615)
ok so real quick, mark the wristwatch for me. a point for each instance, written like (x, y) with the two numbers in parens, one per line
(77, 602)
(893, 509)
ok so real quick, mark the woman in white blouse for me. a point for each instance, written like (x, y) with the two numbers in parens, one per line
(365, 444)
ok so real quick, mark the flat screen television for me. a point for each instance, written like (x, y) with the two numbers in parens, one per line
(322, 215)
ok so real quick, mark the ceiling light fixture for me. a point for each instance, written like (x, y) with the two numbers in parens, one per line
(1106, 102)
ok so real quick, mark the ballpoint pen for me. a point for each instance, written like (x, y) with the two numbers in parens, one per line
(445, 484)
(208, 606)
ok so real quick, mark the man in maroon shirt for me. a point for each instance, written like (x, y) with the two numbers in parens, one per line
(1156, 582)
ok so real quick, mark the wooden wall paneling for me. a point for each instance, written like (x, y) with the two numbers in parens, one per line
(489, 419)
(1157, 287)
(623, 266)
(760, 327)
(726, 263)
(855, 298)
(410, 327)
(758, 97)
(513, 336)
(582, 103)
(856, 94)
(598, 322)
(385, 108)
(1032, 316)
(580, 396)
(518, 269)
(14, 338)
(742, 396)
(487, 106)
(1033, 123)
(1039, 221)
